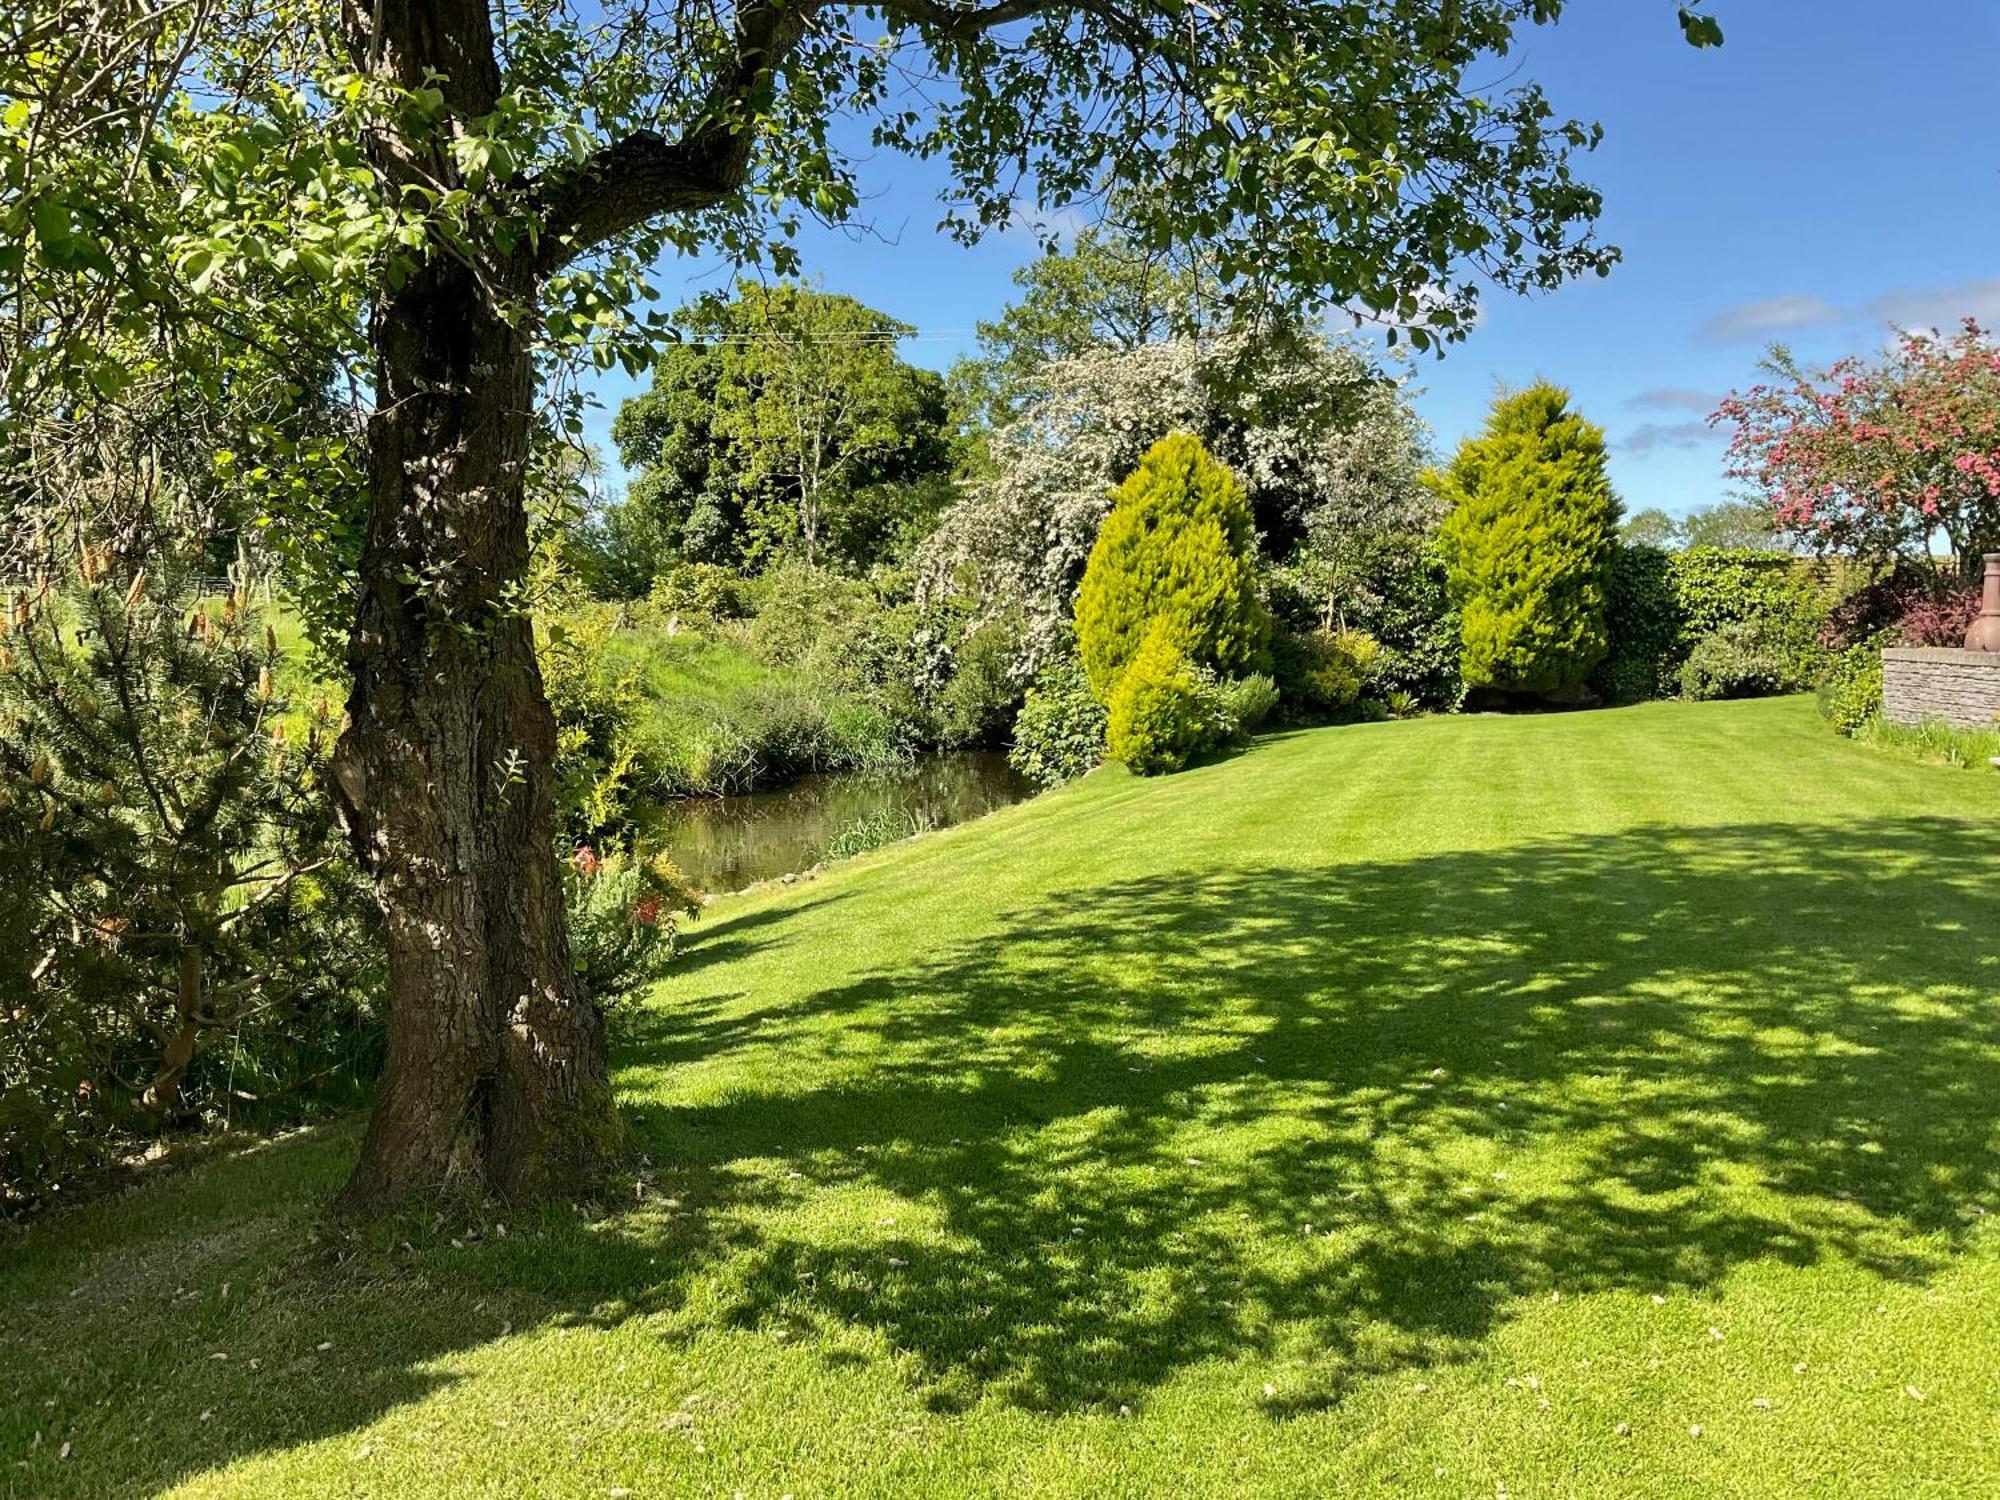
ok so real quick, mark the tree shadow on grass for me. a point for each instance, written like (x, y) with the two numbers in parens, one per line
(1339, 1118)
(1635, 1061)
(710, 940)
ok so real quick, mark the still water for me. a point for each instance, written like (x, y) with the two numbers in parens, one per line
(727, 843)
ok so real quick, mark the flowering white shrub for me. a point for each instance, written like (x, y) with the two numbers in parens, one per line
(1325, 443)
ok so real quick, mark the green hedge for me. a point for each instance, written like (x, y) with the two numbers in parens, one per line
(1713, 604)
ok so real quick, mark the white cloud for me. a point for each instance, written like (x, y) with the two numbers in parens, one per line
(1754, 320)
(1904, 307)
(1939, 307)
(1675, 398)
(1648, 436)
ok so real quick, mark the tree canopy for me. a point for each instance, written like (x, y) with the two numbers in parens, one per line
(786, 425)
(213, 160)
(1743, 525)
(1104, 292)
(1879, 456)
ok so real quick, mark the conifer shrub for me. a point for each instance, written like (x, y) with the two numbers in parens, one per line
(1162, 712)
(183, 937)
(1177, 554)
(1529, 543)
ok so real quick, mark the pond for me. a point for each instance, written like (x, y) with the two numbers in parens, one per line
(727, 843)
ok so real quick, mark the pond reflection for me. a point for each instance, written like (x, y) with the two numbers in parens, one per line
(727, 843)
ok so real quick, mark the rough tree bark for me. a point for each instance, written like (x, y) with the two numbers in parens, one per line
(496, 1063)
(496, 1071)
(496, 1060)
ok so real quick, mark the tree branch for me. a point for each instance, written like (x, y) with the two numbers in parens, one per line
(954, 21)
(643, 175)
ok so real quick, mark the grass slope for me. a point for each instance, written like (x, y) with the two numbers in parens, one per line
(1395, 1109)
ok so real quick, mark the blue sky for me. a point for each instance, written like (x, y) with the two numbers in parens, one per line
(1833, 169)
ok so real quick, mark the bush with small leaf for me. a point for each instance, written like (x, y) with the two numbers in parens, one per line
(1863, 613)
(695, 594)
(1059, 733)
(1744, 659)
(1321, 674)
(1782, 601)
(1242, 704)
(1644, 617)
(598, 708)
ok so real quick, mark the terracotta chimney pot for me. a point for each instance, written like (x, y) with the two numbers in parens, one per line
(1984, 634)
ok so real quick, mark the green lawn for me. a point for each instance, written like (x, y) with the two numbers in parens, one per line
(1595, 1105)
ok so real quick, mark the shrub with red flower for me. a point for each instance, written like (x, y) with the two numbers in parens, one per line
(1879, 457)
(625, 912)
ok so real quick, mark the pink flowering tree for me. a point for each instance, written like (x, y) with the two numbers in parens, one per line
(1879, 457)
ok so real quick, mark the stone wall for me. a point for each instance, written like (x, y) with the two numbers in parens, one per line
(1937, 682)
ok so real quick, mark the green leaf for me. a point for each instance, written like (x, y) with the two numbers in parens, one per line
(52, 222)
(1700, 30)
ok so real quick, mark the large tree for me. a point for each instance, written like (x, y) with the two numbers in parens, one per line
(1105, 291)
(494, 179)
(682, 504)
(786, 426)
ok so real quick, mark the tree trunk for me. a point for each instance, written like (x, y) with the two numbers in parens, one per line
(496, 1068)
(496, 1063)
(163, 1094)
